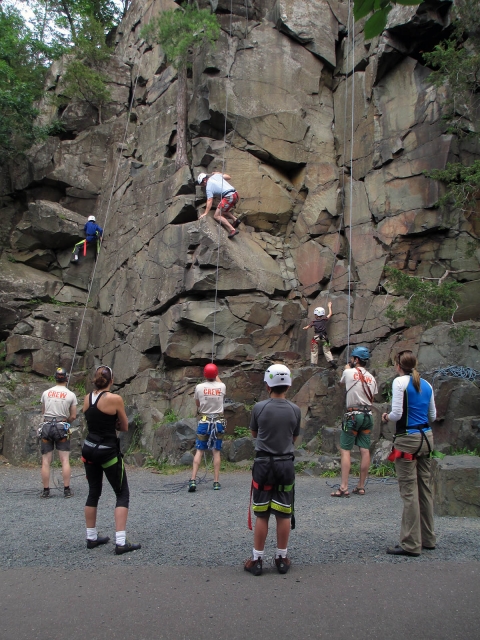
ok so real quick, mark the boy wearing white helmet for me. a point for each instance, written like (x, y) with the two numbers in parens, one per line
(216, 185)
(320, 325)
(93, 232)
(275, 423)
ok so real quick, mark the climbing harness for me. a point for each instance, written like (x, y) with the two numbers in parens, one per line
(213, 428)
(262, 456)
(53, 431)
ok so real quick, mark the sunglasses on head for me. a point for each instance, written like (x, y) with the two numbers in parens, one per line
(105, 366)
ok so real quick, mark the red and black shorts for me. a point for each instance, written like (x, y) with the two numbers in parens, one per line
(228, 201)
(273, 486)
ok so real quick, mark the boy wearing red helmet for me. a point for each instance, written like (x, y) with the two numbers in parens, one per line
(209, 397)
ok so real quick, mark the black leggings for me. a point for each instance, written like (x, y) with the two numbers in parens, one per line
(108, 462)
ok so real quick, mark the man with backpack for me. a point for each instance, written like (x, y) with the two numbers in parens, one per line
(357, 424)
(59, 407)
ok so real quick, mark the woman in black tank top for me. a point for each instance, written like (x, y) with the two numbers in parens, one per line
(105, 415)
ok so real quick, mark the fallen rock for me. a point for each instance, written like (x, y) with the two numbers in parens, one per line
(456, 486)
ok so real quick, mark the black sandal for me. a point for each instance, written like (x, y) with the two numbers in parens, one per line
(340, 493)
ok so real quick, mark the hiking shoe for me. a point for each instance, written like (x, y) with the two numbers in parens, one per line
(67, 492)
(192, 486)
(282, 564)
(125, 548)
(333, 364)
(91, 544)
(233, 233)
(400, 551)
(254, 566)
(45, 493)
(216, 486)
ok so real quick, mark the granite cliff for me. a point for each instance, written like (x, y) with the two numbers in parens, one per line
(169, 288)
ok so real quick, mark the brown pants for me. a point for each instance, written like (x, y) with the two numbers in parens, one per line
(417, 526)
(314, 350)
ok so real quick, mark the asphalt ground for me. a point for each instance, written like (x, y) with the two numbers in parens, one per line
(187, 580)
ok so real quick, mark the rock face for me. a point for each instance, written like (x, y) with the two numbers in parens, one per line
(171, 292)
(456, 486)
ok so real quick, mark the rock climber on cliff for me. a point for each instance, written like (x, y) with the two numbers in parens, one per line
(319, 323)
(217, 186)
(93, 232)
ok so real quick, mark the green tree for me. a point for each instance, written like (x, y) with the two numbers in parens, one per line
(84, 79)
(23, 64)
(180, 32)
(427, 302)
(379, 10)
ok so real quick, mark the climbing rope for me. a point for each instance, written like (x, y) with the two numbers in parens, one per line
(120, 150)
(456, 371)
(223, 171)
(351, 186)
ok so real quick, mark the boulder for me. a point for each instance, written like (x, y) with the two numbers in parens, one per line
(172, 440)
(241, 449)
(47, 225)
(456, 486)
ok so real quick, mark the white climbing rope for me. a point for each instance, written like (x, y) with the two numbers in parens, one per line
(121, 146)
(223, 171)
(351, 184)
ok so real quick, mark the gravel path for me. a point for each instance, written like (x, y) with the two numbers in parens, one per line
(208, 528)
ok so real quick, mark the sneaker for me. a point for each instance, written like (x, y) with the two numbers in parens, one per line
(254, 566)
(236, 223)
(45, 493)
(67, 492)
(216, 486)
(125, 548)
(192, 486)
(74, 259)
(233, 233)
(282, 564)
(91, 544)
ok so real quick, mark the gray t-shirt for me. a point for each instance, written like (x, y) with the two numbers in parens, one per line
(277, 421)
(57, 402)
(210, 396)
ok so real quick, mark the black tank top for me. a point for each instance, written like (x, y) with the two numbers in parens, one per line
(99, 423)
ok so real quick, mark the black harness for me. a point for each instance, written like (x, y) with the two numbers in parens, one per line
(53, 431)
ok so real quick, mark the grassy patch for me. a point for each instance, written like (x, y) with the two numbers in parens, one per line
(464, 452)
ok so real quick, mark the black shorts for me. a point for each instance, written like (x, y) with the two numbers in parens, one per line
(273, 486)
(46, 446)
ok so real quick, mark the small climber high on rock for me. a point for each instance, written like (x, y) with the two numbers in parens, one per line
(319, 323)
(93, 233)
(217, 186)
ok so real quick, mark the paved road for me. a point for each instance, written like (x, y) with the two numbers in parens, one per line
(415, 601)
(187, 581)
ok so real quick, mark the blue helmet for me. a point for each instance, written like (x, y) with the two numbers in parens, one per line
(362, 353)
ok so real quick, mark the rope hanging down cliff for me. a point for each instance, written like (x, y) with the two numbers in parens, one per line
(107, 213)
(223, 171)
(350, 52)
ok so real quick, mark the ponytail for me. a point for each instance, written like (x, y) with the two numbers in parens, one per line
(408, 362)
(103, 377)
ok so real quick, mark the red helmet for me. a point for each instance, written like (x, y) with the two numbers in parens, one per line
(210, 371)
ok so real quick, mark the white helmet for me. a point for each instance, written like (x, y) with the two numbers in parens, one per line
(201, 177)
(278, 374)
(91, 218)
(319, 311)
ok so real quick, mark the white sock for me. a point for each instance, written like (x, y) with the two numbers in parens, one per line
(120, 537)
(258, 555)
(92, 533)
(281, 553)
